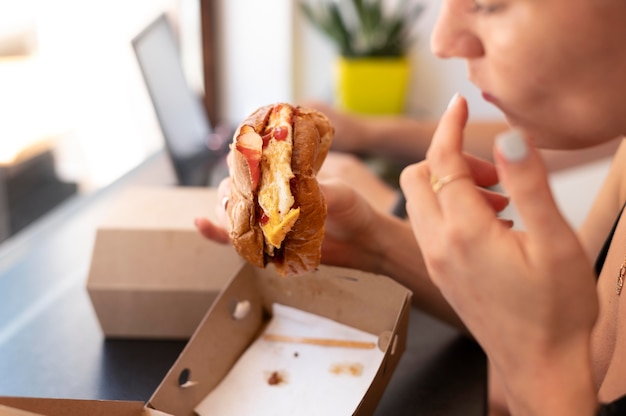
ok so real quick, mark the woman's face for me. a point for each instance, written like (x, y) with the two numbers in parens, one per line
(554, 67)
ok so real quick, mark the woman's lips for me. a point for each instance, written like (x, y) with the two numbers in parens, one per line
(490, 98)
(493, 100)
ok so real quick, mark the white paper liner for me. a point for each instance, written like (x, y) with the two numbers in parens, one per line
(313, 379)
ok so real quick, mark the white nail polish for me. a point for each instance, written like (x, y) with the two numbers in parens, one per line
(452, 100)
(512, 145)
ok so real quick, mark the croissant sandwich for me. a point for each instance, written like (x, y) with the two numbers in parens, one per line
(276, 209)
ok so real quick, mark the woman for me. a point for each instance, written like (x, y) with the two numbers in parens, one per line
(553, 67)
(552, 328)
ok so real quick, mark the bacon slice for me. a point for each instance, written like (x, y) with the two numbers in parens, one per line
(250, 144)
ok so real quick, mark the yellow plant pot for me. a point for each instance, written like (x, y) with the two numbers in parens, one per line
(372, 85)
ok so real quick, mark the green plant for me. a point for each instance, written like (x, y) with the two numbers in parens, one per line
(365, 28)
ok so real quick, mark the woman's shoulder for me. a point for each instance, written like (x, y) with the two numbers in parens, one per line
(610, 330)
(607, 205)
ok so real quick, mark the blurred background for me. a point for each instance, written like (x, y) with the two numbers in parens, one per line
(74, 109)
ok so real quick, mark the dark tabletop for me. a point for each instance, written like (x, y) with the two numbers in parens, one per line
(51, 344)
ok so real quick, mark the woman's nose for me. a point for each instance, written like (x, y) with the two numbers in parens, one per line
(453, 35)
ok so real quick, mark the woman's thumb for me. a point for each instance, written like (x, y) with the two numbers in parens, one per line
(524, 177)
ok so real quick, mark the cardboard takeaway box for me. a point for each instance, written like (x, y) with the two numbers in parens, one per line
(371, 303)
(152, 275)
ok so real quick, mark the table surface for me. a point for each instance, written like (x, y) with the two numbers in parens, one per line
(51, 344)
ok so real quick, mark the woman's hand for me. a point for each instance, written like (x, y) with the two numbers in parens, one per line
(353, 229)
(354, 172)
(217, 231)
(528, 297)
(351, 226)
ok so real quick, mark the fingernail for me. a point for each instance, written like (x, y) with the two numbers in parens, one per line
(512, 145)
(452, 100)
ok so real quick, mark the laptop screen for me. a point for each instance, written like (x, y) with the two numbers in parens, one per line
(186, 128)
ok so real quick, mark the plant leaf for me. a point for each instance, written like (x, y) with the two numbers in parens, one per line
(374, 33)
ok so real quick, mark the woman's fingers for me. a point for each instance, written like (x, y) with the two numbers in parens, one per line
(223, 193)
(496, 200)
(483, 172)
(211, 231)
(218, 230)
(454, 174)
(448, 185)
(525, 178)
(422, 207)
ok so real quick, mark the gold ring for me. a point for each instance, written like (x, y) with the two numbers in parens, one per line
(437, 183)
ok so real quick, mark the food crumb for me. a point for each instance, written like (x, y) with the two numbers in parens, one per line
(353, 369)
(275, 378)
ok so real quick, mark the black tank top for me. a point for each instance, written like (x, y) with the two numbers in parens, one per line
(607, 243)
(618, 407)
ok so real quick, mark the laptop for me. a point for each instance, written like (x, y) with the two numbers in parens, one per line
(197, 150)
